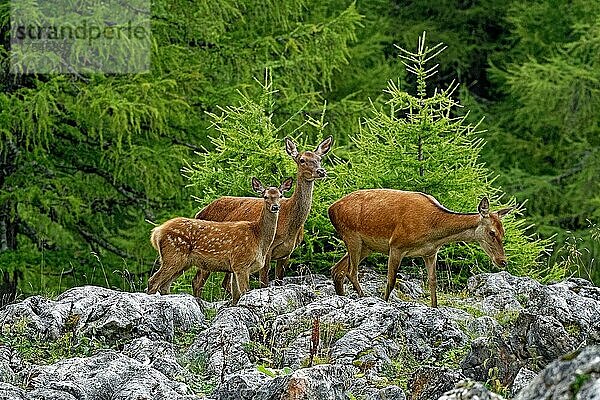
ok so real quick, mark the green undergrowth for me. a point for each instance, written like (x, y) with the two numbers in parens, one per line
(36, 348)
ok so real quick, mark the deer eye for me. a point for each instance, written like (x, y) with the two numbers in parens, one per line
(302, 161)
(493, 233)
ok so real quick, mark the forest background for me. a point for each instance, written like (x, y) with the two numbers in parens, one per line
(89, 161)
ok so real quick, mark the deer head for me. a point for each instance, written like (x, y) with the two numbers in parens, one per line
(490, 232)
(309, 162)
(272, 194)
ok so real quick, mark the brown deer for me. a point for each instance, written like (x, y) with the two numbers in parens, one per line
(238, 247)
(407, 224)
(293, 214)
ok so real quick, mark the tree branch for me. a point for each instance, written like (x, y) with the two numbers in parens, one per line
(95, 240)
(191, 146)
(31, 233)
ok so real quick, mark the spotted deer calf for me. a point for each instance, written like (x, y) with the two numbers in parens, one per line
(293, 214)
(407, 224)
(239, 248)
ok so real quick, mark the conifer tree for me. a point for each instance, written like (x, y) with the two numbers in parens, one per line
(106, 149)
(545, 131)
(416, 142)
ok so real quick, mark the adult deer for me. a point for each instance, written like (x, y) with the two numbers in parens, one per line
(239, 247)
(407, 224)
(293, 214)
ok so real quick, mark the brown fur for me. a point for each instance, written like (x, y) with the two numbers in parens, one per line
(407, 224)
(293, 214)
(239, 247)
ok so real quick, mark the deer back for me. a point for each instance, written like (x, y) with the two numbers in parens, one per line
(407, 217)
(244, 209)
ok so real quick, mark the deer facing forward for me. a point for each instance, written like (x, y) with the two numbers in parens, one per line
(407, 224)
(239, 248)
(293, 215)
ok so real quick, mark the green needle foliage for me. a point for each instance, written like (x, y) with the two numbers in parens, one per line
(414, 142)
(247, 142)
(87, 160)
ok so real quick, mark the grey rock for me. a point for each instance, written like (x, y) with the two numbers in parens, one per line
(319, 284)
(241, 385)
(489, 284)
(491, 358)
(368, 335)
(540, 338)
(500, 303)
(573, 302)
(349, 329)
(483, 326)
(575, 375)
(523, 378)
(373, 285)
(221, 346)
(10, 363)
(391, 393)
(275, 300)
(95, 311)
(105, 375)
(298, 352)
(429, 383)
(431, 332)
(378, 322)
(469, 390)
(10, 392)
(50, 394)
(159, 355)
(323, 382)
(363, 389)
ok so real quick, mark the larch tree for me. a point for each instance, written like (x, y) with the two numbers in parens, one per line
(88, 158)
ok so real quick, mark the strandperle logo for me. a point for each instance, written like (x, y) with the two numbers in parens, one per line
(82, 31)
(66, 37)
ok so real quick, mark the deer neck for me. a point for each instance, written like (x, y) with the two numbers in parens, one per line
(453, 228)
(300, 203)
(266, 228)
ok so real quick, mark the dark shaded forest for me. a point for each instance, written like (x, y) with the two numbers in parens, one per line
(90, 161)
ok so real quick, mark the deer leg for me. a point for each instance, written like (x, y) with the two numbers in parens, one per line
(354, 253)
(338, 274)
(158, 278)
(226, 284)
(394, 260)
(153, 283)
(353, 273)
(172, 266)
(161, 280)
(430, 263)
(282, 263)
(241, 281)
(199, 281)
(264, 272)
(165, 288)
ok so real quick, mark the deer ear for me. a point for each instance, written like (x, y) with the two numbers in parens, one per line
(324, 146)
(257, 186)
(286, 185)
(484, 207)
(290, 148)
(504, 212)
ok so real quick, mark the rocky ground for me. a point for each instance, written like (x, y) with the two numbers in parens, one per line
(504, 337)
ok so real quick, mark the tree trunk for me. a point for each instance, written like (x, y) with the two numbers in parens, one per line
(8, 226)
(8, 208)
(9, 221)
